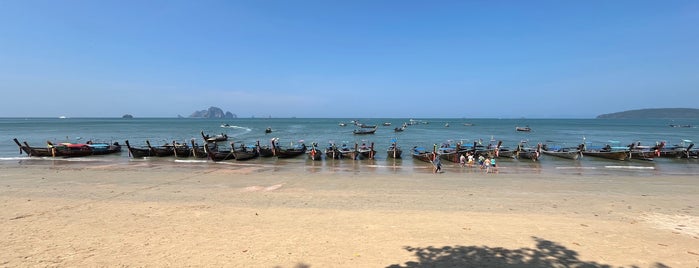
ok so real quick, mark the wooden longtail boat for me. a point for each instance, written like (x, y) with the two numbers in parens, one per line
(218, 155)
(160, 151)
(678, 150)
(69, 149)
(528, 153)
(314, 153)
(422, 154)
(523, 129)
(289, 152)
(215, 138)
(349, 153)
(136, 152)
(104, 148)
(244, 153)
(265, 150)
(198, 151)
(332, 152)
(33, 151)
(181, 149)
(620, 154)
(394, 151)
(363, 131)
(367, 152)
(573, 153)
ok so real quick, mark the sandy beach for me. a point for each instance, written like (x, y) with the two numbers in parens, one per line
(153, 215)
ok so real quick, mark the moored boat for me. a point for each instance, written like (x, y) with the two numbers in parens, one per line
(161, 151)
(102, 148)
(332, 152)
(265, 150)
(394, 151)
(33, 151)
(244, 153)
(523, 129)
(215, 138)
(350, 153)
(367, 152)
(563, 152)
(364, 131)
(608, 152)
(314, 153)
(422, 154)
(67, 149)
(292, 151)
(218, 154)
(138, 152)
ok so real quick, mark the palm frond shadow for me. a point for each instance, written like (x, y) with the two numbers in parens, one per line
(546, 254)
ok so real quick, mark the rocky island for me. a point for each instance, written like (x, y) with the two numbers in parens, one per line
(213, 112)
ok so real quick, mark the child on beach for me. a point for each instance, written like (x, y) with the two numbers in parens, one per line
(470, 160)
(492, 163)
(486, 164)
(481, 160)
(462, 160)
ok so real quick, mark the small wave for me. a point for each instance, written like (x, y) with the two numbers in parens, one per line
(576, 168)
(190, 161)
(382, 166)
(239, 127)
(629, 167)
(14, 158)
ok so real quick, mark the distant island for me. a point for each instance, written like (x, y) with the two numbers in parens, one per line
(213, 112)
(128, 116)
(664, 113)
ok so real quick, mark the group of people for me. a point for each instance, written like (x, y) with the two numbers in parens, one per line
(487, 164)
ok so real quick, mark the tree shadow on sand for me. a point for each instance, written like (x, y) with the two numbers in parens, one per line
(546, 254)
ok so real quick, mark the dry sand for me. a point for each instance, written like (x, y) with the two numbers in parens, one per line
(245, 216)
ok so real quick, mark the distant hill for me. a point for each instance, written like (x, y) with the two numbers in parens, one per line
(654, 113)
(213, 112)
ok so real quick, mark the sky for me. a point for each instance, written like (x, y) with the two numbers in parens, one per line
(347, 59)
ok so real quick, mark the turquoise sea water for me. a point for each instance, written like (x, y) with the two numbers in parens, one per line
(568, 132)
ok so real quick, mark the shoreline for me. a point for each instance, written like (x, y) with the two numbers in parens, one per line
(150, 214)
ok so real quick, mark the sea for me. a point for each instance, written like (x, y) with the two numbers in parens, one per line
(420, 132)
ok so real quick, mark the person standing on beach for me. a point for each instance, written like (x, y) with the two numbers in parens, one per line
(437, 164)
(462, 160)
(486, 164)
(481, 160)
(493, 164)
(470, 160)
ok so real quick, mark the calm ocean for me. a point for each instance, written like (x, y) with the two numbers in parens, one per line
(568, 132)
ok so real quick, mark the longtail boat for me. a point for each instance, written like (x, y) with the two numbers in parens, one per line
(293, 151)
(69, 149)
(138, 152)
(314, 153)
(349, 153)
(367, 152)
(161, 151)
(33, 151)
(422, 154)
(265, 150)
(217, 154)
(394, 151)
(332, 152)
(608, 152)
(244, 153)
(573, 153)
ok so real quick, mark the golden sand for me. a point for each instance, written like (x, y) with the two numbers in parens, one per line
(243, 216)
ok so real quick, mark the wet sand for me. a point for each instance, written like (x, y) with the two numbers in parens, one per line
(193, 214)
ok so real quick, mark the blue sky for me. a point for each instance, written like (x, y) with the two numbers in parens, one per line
(354, 59)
